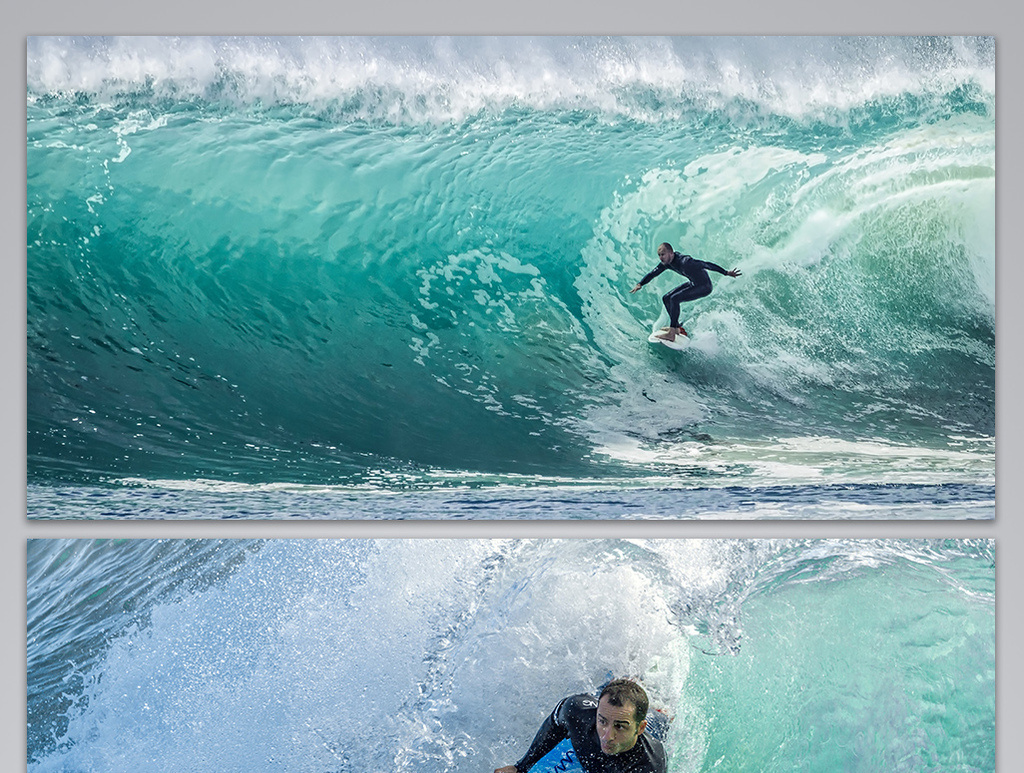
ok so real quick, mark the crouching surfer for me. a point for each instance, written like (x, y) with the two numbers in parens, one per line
(607, 733)
(699, 284)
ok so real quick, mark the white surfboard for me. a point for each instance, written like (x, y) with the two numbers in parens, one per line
(679, 344)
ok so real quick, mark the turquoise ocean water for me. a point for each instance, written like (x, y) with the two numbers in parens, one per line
(359, 656)
(390, 276)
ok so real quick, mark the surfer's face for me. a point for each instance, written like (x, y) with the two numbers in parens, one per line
(617, 726)
(664, 254)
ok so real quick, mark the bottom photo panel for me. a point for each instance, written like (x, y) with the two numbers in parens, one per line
(365, 656)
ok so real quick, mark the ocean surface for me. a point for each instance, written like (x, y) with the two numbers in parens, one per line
(331, 656)
(389, 277)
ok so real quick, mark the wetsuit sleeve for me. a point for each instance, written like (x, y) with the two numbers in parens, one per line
(653, 273)
(548, 737)
(712, 266)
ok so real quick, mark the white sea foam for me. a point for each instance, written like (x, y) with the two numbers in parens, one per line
(450, 78)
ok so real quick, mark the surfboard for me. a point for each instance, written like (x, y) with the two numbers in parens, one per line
(561, 759)
(679, 344)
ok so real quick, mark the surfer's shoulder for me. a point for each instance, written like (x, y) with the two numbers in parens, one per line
(655, 752)
(582, 701)
(574, 706)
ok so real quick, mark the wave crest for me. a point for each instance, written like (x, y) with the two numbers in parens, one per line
(402, 80)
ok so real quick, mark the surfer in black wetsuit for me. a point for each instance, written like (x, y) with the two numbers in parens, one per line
(699, 284)
(607, 733)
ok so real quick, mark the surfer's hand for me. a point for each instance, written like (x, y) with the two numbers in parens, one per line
(507, 769)
(636, 288)
(734, 272)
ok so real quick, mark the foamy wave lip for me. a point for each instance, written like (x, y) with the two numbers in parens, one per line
(441, 78)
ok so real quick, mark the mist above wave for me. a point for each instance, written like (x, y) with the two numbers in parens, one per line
(403, 79)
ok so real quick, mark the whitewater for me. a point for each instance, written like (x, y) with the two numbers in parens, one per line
(389, 277)
(331, 656)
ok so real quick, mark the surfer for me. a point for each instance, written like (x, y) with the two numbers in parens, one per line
(699, 284)
(607, 734)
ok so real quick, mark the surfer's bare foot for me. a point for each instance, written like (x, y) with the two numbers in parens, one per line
(668, 335)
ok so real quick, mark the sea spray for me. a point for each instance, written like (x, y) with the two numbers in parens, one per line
(445, 655)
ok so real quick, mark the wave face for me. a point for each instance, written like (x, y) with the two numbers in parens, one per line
(310, 260)
(327, 656)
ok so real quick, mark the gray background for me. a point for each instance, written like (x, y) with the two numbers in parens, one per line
(519, 17)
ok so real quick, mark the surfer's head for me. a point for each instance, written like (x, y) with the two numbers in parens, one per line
(665, 252)
(621, 715)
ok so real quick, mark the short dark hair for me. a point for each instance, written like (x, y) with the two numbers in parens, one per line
(667, 246)
(619, 691)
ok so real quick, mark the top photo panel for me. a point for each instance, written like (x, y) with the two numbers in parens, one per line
(511, 278)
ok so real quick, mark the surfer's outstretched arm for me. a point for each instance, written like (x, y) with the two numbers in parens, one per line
(715, 267)
(650, 275)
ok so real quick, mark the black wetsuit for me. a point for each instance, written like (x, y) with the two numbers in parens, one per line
(698, 286)
(575, 718)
